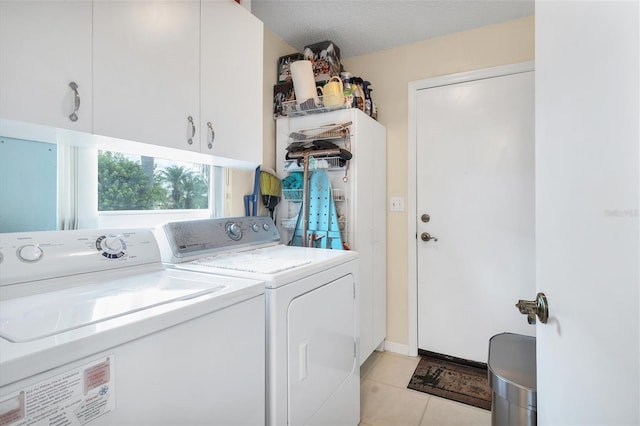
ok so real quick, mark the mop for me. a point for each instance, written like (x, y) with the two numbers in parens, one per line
(270, 188)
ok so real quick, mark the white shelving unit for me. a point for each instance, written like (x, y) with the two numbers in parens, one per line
(359, 193)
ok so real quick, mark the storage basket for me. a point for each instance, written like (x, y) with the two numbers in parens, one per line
(292, 194)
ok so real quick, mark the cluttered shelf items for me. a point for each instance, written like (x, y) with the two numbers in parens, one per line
(315, 81)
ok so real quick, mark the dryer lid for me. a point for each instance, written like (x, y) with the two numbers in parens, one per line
(258, 261)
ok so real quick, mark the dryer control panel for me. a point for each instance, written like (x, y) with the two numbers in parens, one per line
(30, 256)
(181, 241)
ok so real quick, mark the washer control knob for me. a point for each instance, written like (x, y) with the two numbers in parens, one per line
(234, 231)
(111, 246)
(255, 227)
(265, 226)
(113, 243)
(30, 253)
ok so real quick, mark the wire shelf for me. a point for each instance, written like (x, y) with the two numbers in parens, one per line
(324, 104)
(322, 163)
(327, 132)
(297, 194)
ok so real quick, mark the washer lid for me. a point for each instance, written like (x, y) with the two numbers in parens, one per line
(33, 317)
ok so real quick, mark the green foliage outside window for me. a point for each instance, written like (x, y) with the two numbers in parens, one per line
(125, 184)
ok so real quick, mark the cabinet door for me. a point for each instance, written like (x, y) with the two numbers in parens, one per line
(378, 141)
(44, 46)
(231, 86)
(146, 71)
(369, 225)
(363, 191)
(321, 347)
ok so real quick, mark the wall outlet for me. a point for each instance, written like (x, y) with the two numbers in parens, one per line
(396, 204)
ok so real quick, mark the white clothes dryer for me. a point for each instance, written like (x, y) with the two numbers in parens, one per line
(312, 373)
(95, 330)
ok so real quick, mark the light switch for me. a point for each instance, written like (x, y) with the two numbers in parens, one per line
(396, 204)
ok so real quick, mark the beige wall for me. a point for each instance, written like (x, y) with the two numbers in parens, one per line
(274, 48)
(390, 71)
(238, 182)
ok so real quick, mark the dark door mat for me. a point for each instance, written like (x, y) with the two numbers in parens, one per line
(456, 381)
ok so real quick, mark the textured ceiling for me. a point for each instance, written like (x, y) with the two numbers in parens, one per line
(362, 26)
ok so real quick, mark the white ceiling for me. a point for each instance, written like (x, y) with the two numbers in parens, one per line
(358, 27)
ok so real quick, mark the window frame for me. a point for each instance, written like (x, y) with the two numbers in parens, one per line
(90, 217)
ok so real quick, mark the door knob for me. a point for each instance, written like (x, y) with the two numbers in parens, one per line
(533, 308)
(425, 236)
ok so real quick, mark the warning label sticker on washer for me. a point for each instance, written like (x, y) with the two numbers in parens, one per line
(71, 399)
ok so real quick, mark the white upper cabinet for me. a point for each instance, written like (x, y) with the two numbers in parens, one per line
(182, 74)
(146, 71)
(231, 81)
(44, 47)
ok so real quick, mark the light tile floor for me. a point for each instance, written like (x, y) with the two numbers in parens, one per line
(385, 399)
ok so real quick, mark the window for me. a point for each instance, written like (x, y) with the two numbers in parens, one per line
(63, 185)
(144, 189)
(135, 182)
(27, 185)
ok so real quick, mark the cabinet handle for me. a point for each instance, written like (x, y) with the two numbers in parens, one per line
(193, 130)
(213, 134)
(76, 101)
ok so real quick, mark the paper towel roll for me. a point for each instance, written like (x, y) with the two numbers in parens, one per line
(304, 84)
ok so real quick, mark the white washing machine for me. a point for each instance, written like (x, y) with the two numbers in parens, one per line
(95, 330)
(313, 375)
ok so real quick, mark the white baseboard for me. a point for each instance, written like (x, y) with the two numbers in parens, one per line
(397, 348)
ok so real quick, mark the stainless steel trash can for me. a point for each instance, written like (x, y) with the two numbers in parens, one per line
(512, 376)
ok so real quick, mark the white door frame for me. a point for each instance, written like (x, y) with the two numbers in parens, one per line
(414, 87)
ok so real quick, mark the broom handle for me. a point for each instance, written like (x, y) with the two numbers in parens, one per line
(305, 199)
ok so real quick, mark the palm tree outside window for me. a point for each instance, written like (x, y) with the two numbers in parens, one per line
(130, 182)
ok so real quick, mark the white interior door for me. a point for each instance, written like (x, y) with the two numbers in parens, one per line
(475, 180)
(588, 204)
